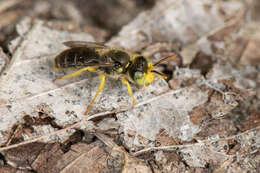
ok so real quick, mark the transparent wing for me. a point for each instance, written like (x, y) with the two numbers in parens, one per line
(81, 57)
(84, 44)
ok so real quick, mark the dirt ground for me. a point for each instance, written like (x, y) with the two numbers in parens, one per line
(202, 116)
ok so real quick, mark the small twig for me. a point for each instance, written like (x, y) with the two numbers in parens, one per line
(174, 147)
(106, 140)
(37, 138)
(84, 120)
(89, 118)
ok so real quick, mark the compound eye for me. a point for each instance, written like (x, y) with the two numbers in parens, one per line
(138, 75)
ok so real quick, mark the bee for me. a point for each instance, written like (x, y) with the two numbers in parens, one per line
(107, 61)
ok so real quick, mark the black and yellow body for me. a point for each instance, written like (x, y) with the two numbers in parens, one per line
(112, 62)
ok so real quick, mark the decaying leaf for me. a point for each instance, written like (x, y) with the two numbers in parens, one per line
(205, 118)
(51, 158)
(177, 20)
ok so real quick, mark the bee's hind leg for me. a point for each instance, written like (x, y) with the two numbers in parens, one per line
(125, 82)
(102, 78)
(76, 73)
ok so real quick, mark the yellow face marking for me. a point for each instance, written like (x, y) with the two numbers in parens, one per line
(150, 76)
(147, 77)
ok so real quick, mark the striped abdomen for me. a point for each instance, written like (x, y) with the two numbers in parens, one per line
(76, 57)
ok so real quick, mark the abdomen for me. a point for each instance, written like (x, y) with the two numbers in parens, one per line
(76, 57)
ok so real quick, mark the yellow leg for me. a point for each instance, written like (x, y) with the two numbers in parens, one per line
(76, 73)
(125, 82)
(102, 78)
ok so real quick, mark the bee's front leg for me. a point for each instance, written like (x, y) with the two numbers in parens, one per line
(125, 82)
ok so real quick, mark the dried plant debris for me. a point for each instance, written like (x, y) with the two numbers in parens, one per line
(42, 157)
(172, 20)
(214, 152)
(76, 16)
(119, 160)
(29, 93)
(204, 118)
(185, 111)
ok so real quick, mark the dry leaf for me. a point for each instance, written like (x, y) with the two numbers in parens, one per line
(26, 90)
(208, 122)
